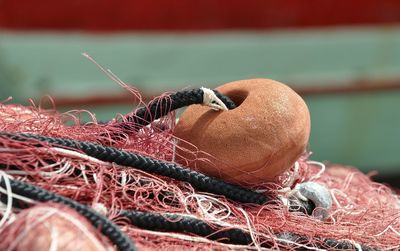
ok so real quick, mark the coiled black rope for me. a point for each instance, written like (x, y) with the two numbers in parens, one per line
(110, 154)
(162, 106)
(152, 221)
(108, 228)
(158, 222)
(236, 236)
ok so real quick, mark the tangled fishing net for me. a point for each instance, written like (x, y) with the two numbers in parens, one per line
(364, 216)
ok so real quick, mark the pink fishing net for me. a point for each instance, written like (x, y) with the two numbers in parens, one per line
(363, 213)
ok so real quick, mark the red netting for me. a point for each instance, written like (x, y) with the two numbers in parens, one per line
(363, 212)
(51, 227)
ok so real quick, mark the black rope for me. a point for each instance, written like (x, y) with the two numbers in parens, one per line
(236, 236)
(153, 221)
(108, 228)
(159, 222)
(162, 106)
(184, 224)
(321, 243)
(110, 154)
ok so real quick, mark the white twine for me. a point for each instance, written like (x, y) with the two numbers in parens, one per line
(54, 236)
(205, 203)
(123, 178)
(210, 99)
(291, 179)
(174, 144)
(319, 164)
(300, 245)
(70, 153)
(356, 245)
(64, 169)
(100, 208)
(83, 170)
(250, 229)
(388, 228)
(8, 210)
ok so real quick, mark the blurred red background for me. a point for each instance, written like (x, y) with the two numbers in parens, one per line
(104, 15)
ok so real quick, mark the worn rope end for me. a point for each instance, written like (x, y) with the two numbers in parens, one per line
(211, 100)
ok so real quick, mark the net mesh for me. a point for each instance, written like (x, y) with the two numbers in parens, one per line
(364, 212)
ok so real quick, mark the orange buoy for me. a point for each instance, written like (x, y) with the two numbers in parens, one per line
(255, 142)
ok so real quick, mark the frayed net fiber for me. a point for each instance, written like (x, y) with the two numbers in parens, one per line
(363, 213)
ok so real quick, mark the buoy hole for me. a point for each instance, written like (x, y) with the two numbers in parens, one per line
(237, 96)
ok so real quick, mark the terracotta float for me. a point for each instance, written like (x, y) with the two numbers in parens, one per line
(253, 143)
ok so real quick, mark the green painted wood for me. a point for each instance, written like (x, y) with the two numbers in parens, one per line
(361, 130)
(47, 63)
